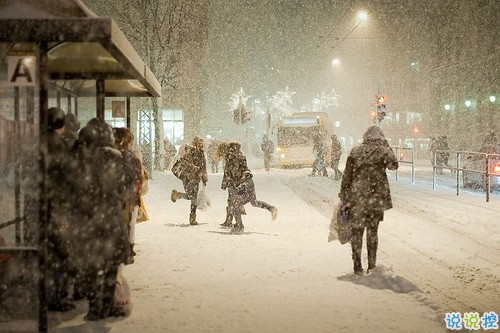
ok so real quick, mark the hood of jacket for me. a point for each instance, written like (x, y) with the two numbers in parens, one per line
(373, 133)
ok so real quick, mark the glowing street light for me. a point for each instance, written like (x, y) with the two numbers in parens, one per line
(362, 16)
(335, 62)
(447, 107)
(468, 103)
(492, 99)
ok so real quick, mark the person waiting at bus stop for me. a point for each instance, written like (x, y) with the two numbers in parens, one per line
(57, 158)
(99, 238)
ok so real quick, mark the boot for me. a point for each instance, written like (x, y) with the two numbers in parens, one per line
(358, 269)
(192, 219)
(175, 195)
(229, 218)
(238, 228)
(274, 213)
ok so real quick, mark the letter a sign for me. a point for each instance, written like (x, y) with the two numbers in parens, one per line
(21, 71)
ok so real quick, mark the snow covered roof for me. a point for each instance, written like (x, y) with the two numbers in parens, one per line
(81, 46)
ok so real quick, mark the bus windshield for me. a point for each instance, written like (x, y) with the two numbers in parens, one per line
(296, 136)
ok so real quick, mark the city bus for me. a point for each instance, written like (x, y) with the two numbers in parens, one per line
(295, 137)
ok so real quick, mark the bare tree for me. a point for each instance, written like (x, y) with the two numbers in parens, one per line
(156, 29)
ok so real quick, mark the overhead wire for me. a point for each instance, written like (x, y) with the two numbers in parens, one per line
(350, 32)
(335, 26)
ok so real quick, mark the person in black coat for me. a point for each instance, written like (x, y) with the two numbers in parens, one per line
(57, 231)
(319, 152)
(238, 181)
(71, 128)
(99, 236)
(267, 148)
(335, 154)
(365, 190)
(194, 168)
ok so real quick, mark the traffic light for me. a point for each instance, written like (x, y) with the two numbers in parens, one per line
(381, 99)
(241, 115)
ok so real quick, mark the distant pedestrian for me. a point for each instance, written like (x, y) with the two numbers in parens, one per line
(443, 152)
(194, 171)
(238, 181)
(319, 152)
(365, 190)
(490, 143)
(267, 147)
(213, 155)
(335, 154)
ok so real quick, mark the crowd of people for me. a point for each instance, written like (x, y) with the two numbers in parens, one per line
(191, 169)
(94, 180)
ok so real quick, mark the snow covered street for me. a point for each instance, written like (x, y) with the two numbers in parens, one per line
(438, 253)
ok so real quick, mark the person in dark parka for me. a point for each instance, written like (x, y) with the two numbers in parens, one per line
(365, 190)
(57, 241)
(267, 147)
(335, 154)
(100, 238)
(195, 170)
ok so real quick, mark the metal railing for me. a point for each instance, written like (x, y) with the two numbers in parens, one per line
(478, 163)
(401, 154)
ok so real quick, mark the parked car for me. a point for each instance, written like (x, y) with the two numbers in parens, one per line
(475, 177)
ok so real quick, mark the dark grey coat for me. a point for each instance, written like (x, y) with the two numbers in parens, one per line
(100, 187)
(365, 187)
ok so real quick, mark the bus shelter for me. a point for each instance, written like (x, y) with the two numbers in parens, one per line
(50, 51)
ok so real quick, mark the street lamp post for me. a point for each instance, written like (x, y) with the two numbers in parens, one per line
(415, 134)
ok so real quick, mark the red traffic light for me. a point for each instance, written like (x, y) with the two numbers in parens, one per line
(381, 100)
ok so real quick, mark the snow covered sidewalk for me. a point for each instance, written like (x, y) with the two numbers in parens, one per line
(280, 276)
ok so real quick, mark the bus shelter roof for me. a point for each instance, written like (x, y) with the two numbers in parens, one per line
(81, 47)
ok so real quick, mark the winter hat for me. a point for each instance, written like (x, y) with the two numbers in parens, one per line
(55, 118)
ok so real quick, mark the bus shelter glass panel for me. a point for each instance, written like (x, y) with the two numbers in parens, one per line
(20, 180)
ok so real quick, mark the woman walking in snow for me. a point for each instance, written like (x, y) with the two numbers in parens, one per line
(238, 181)
(194, 170)
(365, 190)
